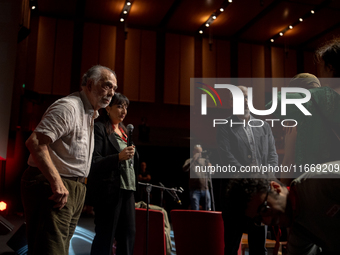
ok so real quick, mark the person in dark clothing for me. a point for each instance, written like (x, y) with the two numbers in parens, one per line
(112, 182)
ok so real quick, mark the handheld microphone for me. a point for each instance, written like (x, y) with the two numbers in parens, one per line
(177, 198)
(129, 131)
(129, 140)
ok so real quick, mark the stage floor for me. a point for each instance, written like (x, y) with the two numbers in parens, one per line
(80, 242)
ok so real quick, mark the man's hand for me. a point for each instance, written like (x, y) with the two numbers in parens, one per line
(196, 156)
(60, 194)
(37, 144)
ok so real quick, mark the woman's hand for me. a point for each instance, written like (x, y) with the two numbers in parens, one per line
(127, 153)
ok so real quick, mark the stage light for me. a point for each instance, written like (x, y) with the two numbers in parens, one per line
(3, 206)
(33, 7)
(301, 19)
(125, 11)
(214, 16)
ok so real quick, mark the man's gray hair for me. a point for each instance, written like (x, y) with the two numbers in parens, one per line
(94, 73)
(197, 146)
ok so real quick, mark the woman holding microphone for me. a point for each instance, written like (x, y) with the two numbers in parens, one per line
(112, 181)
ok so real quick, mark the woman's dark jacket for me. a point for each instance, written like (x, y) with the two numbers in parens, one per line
(103, 183)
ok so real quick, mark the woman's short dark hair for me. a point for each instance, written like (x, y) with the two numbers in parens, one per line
(117, 99)
(330, 54)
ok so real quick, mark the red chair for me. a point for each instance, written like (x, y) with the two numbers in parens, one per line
(156, 243)
(198, 232)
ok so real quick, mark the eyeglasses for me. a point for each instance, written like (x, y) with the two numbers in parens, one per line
(262, 210)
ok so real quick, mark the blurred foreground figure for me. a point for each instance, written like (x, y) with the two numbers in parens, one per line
(311, 209)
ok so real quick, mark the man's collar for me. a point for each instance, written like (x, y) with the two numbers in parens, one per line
(87, 105)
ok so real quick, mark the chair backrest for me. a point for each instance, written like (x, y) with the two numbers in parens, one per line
(198, 232)
(156, 243)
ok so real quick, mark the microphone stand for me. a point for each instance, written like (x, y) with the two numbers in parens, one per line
(212, 188)
(148, 190)
(161, 204)
(211, 193)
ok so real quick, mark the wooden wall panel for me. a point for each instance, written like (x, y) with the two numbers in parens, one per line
(90, 53)
(107, 46)
(187, 64)
(223, 58)
(309, 63)
(319, 70)
(277, 62)
(223, 69)
(45, 55)
(244, 61)
(290, 65)
(63, 58)
(257, 61)
(278, 66)
(148, 67)
(209, 55)
(172, 67)
(132, 64)
(284, 65)
(258, 72)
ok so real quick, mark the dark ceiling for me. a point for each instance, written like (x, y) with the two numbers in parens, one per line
(255, 21)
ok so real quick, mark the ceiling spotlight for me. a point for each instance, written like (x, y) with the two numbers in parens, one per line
(221, 10)
(312, 11)
(230, 1)
(33, 7)
(290, 27)
(206, 24)
(214, 17)
(300, 19)
(125, 11)
(272, 40)
(281, 34)
(201, 31)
